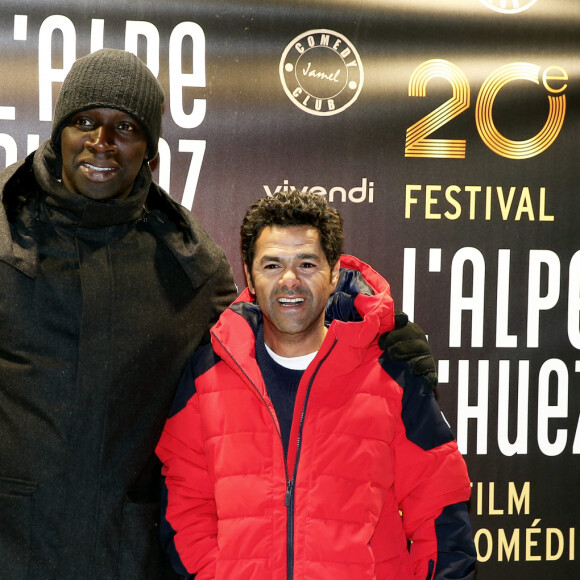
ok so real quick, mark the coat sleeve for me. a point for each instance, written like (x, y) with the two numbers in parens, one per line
(431, 486)
(189, 516)
(456, 555)
(219, 292)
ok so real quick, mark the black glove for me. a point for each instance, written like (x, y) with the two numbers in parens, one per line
(407, 343)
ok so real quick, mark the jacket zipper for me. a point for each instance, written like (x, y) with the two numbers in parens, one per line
(290, 483)
(289, 497)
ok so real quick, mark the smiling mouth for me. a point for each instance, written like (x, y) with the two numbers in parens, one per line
(98, 169)
(290, 301)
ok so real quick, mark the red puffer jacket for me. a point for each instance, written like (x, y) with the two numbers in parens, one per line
(371, 461)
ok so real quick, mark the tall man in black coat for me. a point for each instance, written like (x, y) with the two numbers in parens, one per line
(106, 287)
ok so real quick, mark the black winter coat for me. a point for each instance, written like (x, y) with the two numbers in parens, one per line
(101, 303)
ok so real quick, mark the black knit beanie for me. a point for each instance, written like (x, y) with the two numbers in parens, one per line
(112, 79)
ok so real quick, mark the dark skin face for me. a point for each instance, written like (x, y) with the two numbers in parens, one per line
(102, 153)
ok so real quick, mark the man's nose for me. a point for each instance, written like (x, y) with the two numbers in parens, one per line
(289, 278)
(102, 139)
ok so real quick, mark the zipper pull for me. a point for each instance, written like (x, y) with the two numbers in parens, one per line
(289, 491)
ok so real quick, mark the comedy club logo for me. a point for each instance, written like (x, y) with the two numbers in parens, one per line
(321, 72)
(508, 6)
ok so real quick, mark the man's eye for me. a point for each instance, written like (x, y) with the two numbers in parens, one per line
(126, 127)
(308, 265)
(83, 122)
(270, 266)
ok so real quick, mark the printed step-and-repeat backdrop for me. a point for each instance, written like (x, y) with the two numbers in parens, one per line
(447, 132)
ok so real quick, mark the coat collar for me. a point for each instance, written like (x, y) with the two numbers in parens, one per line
(20, 189)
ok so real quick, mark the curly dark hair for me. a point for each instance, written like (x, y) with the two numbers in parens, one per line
(293, 208)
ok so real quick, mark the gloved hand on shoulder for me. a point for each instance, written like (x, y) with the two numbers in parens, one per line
(407, 343)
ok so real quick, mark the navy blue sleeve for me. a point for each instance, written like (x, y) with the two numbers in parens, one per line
(456, 554)
(424, 423)
(200, 362)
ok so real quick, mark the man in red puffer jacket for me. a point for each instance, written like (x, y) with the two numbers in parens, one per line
(295, 447)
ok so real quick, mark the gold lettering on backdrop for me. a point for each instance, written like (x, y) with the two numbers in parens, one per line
(418, 142)
(531, 539)
(472, 202)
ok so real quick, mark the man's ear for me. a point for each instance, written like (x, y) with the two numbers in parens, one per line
(249, 278)
(334, 275)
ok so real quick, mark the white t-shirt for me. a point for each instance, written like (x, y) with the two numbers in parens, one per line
(297, 363)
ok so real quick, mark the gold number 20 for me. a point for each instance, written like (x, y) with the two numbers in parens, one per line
(418, 145)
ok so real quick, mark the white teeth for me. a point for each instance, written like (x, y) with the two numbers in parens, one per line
(94, 168)
(290, 300)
